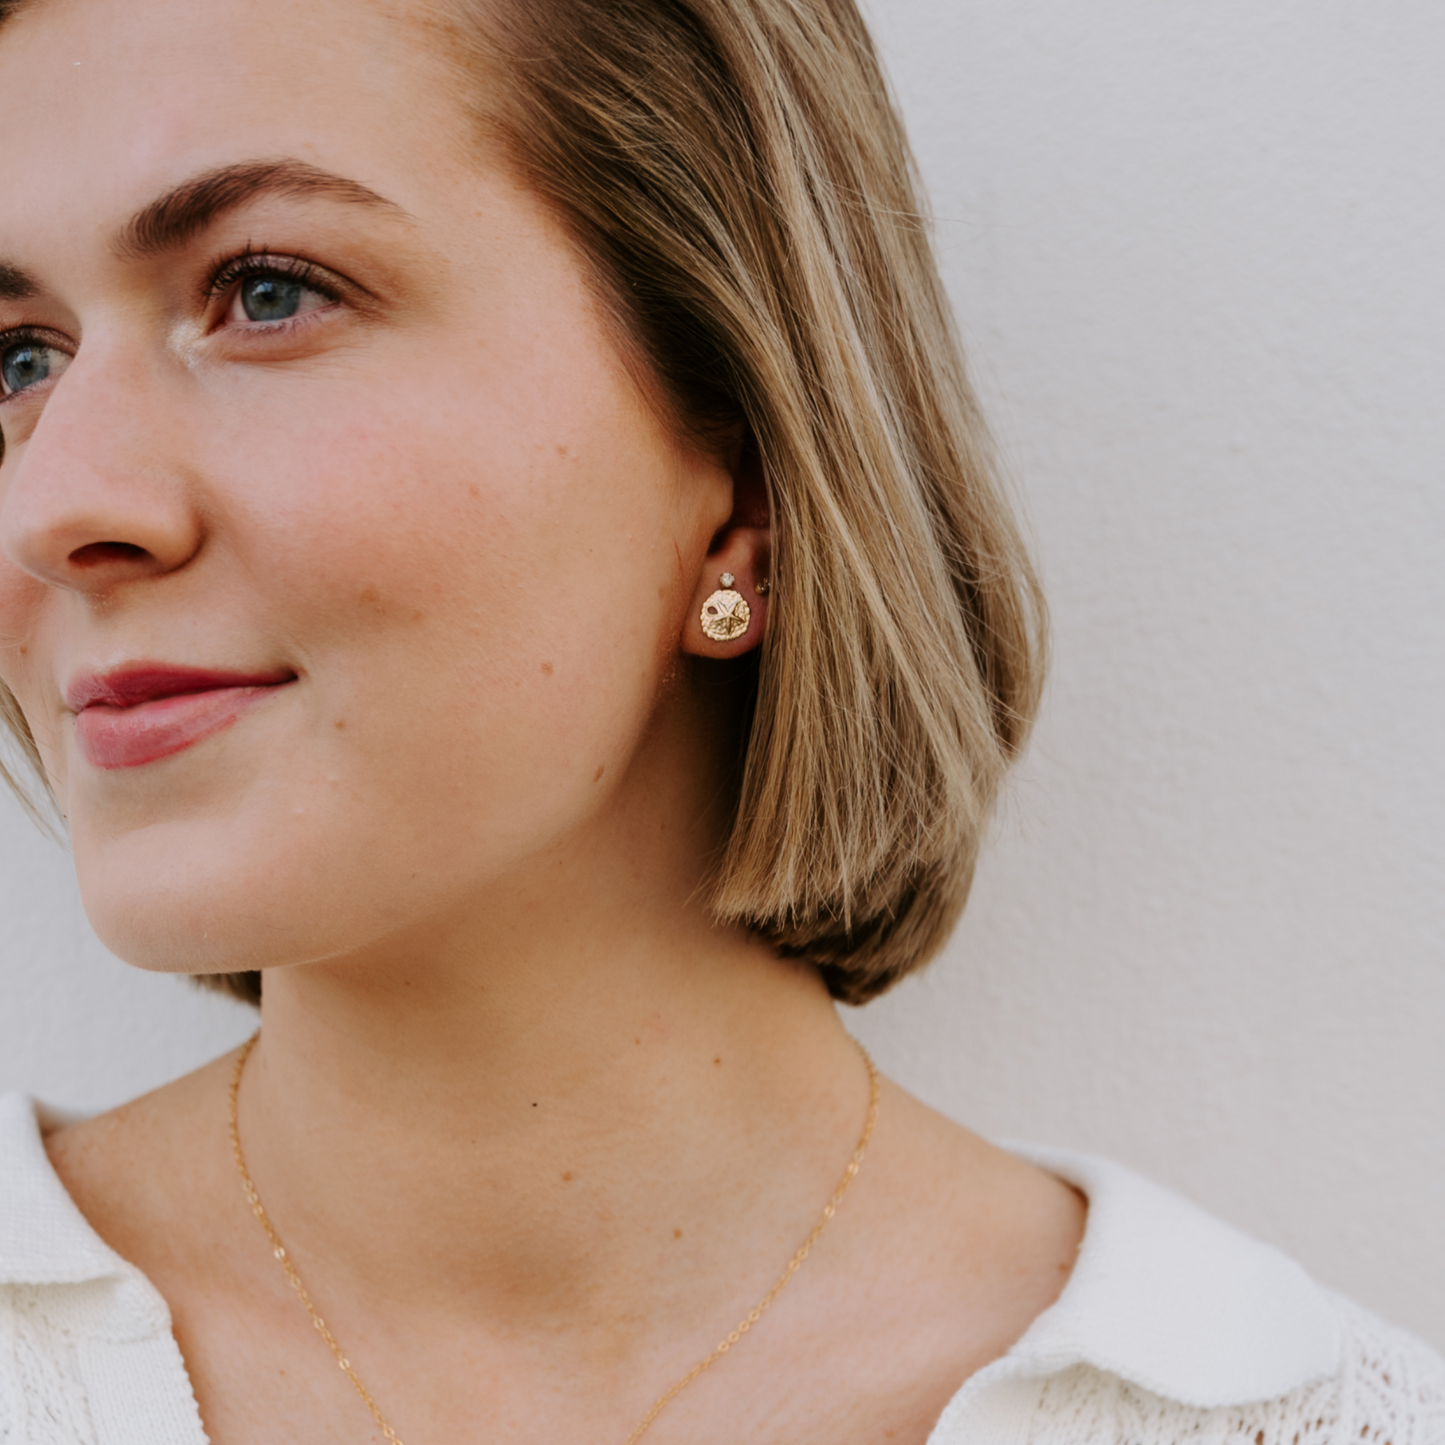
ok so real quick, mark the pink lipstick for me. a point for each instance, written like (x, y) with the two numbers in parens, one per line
(148, 711)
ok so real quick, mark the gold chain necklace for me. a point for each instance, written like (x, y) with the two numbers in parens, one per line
(664, 1399)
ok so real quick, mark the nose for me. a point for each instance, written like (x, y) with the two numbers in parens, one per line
(98, 495)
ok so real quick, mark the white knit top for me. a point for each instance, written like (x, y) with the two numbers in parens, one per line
(1172, 1328)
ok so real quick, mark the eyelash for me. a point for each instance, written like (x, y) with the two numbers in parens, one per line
(261, 263)
(35, 335)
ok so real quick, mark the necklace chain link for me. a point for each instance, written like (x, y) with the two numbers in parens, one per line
(664, 1399)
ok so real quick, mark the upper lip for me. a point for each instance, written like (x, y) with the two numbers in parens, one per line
(141, 682)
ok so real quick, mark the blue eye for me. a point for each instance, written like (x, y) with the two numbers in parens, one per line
(28, 363)
(261, 291)
(271, 297)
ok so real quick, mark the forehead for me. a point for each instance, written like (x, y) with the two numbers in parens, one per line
(106, 103)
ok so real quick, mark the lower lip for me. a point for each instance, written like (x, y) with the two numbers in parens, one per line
(128, 737)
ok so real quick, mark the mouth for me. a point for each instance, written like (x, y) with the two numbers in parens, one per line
(140, 714)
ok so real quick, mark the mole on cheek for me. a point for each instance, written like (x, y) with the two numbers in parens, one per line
(546, 669)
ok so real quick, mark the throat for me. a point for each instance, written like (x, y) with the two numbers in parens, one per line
(578, 1159)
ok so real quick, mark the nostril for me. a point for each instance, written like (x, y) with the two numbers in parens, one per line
(96, 553)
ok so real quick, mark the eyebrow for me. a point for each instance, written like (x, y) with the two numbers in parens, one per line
(189, 208)
(15, 285)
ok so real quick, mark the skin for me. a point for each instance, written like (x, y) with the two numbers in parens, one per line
(535, 1130)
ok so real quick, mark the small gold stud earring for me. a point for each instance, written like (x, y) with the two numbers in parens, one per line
(763, 587)
(725, 615)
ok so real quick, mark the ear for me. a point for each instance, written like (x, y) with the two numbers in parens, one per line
(743, 548)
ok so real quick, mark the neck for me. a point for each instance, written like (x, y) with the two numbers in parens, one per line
(533, 1125)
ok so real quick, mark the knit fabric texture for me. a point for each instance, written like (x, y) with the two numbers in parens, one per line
(1389, 1390)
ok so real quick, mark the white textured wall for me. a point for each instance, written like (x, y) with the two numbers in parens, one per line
(1196, 248)
(1198, 251)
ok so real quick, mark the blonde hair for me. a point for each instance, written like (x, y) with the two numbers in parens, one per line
(739, 179)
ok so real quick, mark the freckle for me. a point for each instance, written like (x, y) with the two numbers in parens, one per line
(534, 1106)
(567, 1177)
(637, 1041)
(474, 489)
(340, 724)
(561, 451)
(417, 616)
(371, 595)
(677, 1234)
(597, 776)
(546, 669)
(24, 652)
(717, 1061)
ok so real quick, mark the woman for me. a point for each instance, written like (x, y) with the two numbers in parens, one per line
(498, 545)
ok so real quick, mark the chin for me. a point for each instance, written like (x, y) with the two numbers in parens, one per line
(171, 912)
(214, 896)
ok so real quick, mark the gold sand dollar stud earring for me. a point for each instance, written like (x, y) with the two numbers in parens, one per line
(725, 615)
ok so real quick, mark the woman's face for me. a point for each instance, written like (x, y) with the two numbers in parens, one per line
(309, 414)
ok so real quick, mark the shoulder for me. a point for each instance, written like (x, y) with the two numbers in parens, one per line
(1387, 1388)
(83, 1334)
(44, 1237)
(114, 1156)
(1175, 1326)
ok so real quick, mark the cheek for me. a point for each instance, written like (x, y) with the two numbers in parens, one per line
(486, 606)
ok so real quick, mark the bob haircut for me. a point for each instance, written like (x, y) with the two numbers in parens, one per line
(736, 176)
